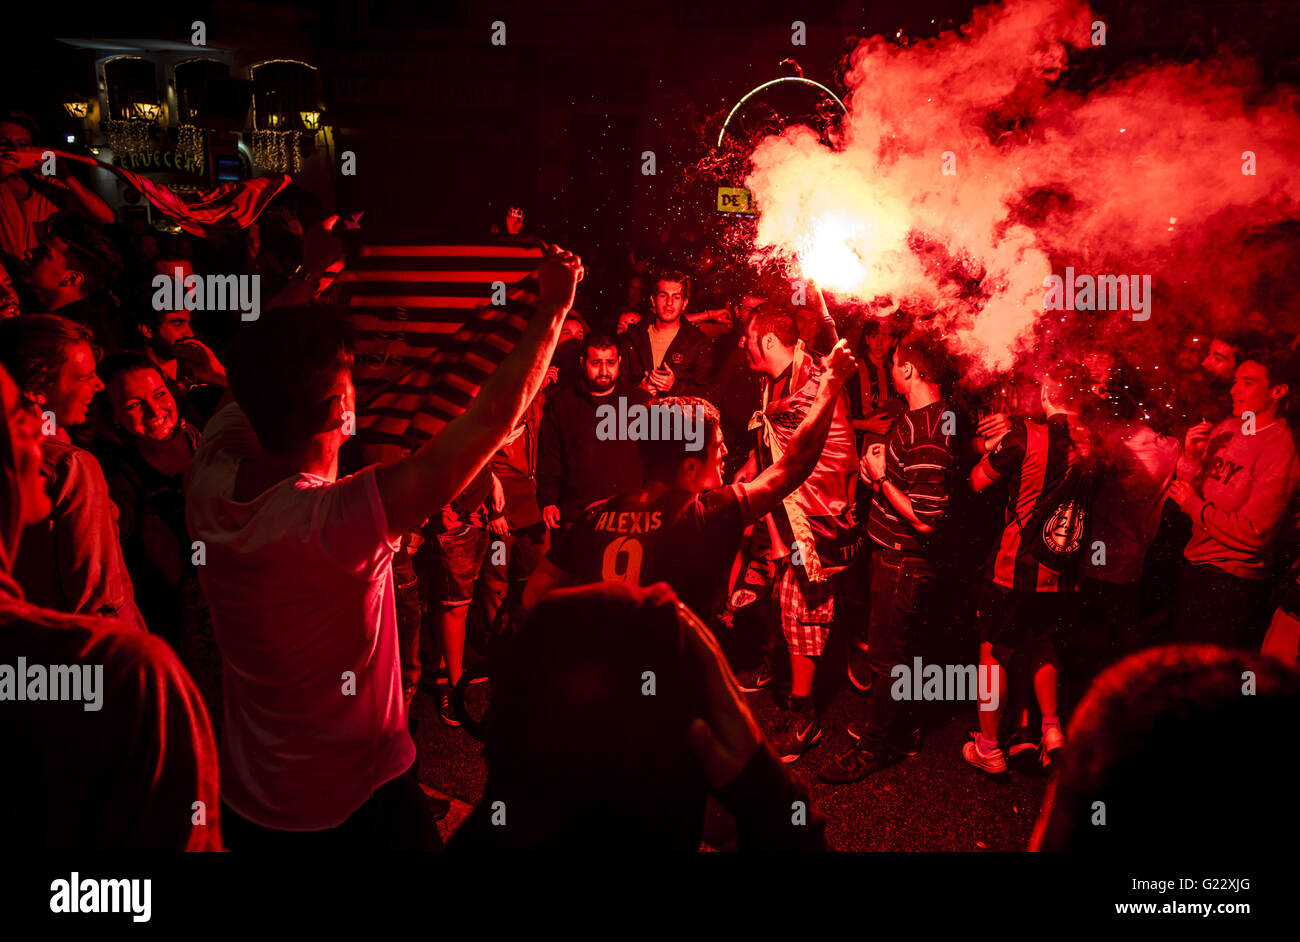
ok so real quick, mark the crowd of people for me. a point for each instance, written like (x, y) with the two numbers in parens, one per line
(184, 506)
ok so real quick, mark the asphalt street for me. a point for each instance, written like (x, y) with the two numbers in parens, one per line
(931, 802)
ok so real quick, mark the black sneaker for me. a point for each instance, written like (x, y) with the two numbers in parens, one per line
(1021, 749)
(433, 681)
(798, 731)
(854, 765)
(755, 679)
(909, 745)
(445, 712)
(859, 668)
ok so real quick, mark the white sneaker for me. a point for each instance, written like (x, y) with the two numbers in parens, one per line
(993, 761)
(1053, 743)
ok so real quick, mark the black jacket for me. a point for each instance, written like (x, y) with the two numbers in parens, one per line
(574, 468)
(689, 356)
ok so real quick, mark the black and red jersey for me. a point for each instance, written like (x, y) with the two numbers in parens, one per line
(687, 540)
(1035, 458)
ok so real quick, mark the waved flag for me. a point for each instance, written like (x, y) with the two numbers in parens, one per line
(428, 334)
(227, 208)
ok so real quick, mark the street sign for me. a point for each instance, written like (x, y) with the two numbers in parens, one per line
(735, 199)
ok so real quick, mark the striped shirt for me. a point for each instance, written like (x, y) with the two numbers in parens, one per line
(1035, 457)
(919, 461)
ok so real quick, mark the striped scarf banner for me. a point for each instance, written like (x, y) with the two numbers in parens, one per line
(227, 208)
(428, 334)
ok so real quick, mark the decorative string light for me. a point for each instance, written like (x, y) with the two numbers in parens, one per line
(128, 137)
(191, 144)
(278, 151)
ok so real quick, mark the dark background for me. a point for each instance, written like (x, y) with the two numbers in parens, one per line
(448, 128)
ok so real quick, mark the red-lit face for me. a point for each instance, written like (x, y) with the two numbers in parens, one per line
(514, 220)
(897, 374)
(668, 301)
(747, 305)
(571, 330)
(601, 365)
(758, 350)
(25, 432)
(143, 405)
(716, 455)
(1191, 352)
(169, 266)
(12, 137)
(1220, 361)
(1252, 392)
(175, 326)
(707, 474)
(878, 345)
(46, 266)
(1099, 365)
(76, 384)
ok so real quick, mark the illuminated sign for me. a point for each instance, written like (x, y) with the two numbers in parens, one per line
(167, 161)
(735, 199)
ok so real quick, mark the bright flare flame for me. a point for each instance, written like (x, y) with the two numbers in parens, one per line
(827, 256)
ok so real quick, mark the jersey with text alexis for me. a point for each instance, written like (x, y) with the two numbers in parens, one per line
(687, 540)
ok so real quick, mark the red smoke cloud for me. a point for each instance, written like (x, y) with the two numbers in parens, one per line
(1140, 176)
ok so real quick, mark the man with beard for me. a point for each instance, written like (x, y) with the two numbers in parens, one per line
(191, 370)
(812, 534)
(685, 526)
(1218, 371)
(574, 467)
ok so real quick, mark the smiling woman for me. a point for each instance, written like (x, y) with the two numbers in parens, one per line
(145, 462)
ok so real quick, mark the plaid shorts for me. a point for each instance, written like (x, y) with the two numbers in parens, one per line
(806, 611)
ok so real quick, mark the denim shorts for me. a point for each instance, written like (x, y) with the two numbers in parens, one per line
(455, 560)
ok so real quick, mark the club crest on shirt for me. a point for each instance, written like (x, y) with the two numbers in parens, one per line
(1063, 530)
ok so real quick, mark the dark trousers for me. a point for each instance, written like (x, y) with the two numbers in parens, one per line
(395, 818)
(503, 581)
(899, 589)
(1217, 608)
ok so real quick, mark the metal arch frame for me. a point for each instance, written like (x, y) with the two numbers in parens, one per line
(776, 81)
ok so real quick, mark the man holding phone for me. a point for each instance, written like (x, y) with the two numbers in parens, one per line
(668, 356)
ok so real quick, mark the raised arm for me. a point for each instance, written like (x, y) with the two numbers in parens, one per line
(414, 487)
(804, 449)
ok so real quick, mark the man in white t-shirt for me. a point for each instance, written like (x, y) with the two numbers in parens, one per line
(298, 573)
